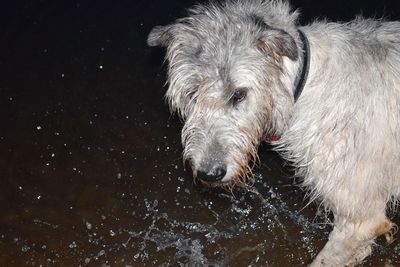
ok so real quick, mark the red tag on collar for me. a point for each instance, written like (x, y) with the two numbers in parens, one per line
(274, 138)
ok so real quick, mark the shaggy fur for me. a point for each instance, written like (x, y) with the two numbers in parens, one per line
(232, 71)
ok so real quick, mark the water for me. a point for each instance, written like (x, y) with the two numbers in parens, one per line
(90, 158)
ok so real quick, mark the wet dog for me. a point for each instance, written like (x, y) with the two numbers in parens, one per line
(241, 71)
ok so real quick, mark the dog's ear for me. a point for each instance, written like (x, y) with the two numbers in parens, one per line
(160, 36)
(278, 43)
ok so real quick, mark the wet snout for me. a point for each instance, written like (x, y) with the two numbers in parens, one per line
(208, 148)
(209, 163)
(211, 170)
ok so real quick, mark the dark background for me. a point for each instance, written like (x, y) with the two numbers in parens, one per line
(90, 158)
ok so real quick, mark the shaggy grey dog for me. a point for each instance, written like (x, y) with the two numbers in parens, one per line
(241, 71)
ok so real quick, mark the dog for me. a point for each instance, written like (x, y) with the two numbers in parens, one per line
(242, 71)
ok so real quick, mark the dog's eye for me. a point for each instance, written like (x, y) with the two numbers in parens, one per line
(239, 95)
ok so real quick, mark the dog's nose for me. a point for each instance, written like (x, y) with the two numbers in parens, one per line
(214, 174)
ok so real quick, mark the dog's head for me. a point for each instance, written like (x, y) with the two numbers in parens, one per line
(231, 68)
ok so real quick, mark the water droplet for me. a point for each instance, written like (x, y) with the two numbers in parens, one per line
(73, 245)
(112, 233)
(88, 225)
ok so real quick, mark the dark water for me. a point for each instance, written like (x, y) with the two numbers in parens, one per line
(90, 158)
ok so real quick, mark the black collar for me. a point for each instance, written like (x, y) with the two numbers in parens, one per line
(301, 77)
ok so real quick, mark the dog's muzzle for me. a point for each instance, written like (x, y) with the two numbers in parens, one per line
(210, 171)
